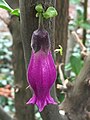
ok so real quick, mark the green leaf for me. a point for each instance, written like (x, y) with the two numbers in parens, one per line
(85, 25)
(39, 8)
(68, 67)
(50, 12)
(61, 97)
(15, 12)
(5, 6)
(76, 63)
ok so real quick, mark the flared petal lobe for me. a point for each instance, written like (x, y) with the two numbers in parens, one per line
(41, 76)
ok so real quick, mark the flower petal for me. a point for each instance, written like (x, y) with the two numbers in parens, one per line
(41, 76)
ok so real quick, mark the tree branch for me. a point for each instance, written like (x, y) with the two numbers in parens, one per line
(83, 48)
(78, 97)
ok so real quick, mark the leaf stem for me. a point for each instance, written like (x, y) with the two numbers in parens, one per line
(40, 21)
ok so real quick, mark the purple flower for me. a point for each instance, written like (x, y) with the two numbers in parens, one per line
(41, 72)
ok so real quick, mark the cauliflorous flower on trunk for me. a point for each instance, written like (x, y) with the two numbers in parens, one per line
(41, 72)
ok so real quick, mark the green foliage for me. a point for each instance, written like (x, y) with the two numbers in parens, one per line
(50, 12)
(61, 97)
(68, 67)
(76, 63)
(6, 71)
(85, 25)
(5, 6)
(78, 21)
(15, 12)
(74, 1)
(39, 8)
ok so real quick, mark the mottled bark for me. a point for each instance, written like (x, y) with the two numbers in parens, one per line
(77, 101)
(23, 112)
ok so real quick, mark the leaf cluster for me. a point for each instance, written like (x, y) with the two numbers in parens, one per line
(49, 13)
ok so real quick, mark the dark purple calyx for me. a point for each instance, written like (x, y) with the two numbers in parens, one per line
(40, 38)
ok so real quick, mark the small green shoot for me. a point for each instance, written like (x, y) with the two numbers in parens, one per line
(60, 50)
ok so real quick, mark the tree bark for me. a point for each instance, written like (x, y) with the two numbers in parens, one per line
(70, 45)
(21, 94)
(28, 25)
(61, 28)
(14, 4)
(61, 32)
(77, 101)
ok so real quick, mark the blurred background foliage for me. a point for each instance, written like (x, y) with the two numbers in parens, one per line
(6, 73)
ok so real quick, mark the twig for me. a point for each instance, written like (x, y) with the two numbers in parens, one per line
(85, 19)
(61, 73)
(64, 82)
(83, 48)
(28, 87)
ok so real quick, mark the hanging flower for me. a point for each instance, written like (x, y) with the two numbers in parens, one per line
(41, 72)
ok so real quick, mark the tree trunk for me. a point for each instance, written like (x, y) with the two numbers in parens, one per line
(21, 94)
(14, 4)
(23, 112)
(28, 25)
(70, 45)
(61, 28)
(61, 32)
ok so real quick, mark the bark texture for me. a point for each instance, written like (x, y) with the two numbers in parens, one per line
(23, 112)
(61, 31)
(21, 94)
(70, 45)
(77, 101)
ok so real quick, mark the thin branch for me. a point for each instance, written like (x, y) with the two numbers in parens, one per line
(85, 19)
(62, 87)
(61, 73)
(83, 48)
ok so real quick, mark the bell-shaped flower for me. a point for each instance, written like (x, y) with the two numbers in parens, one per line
(41, 72)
